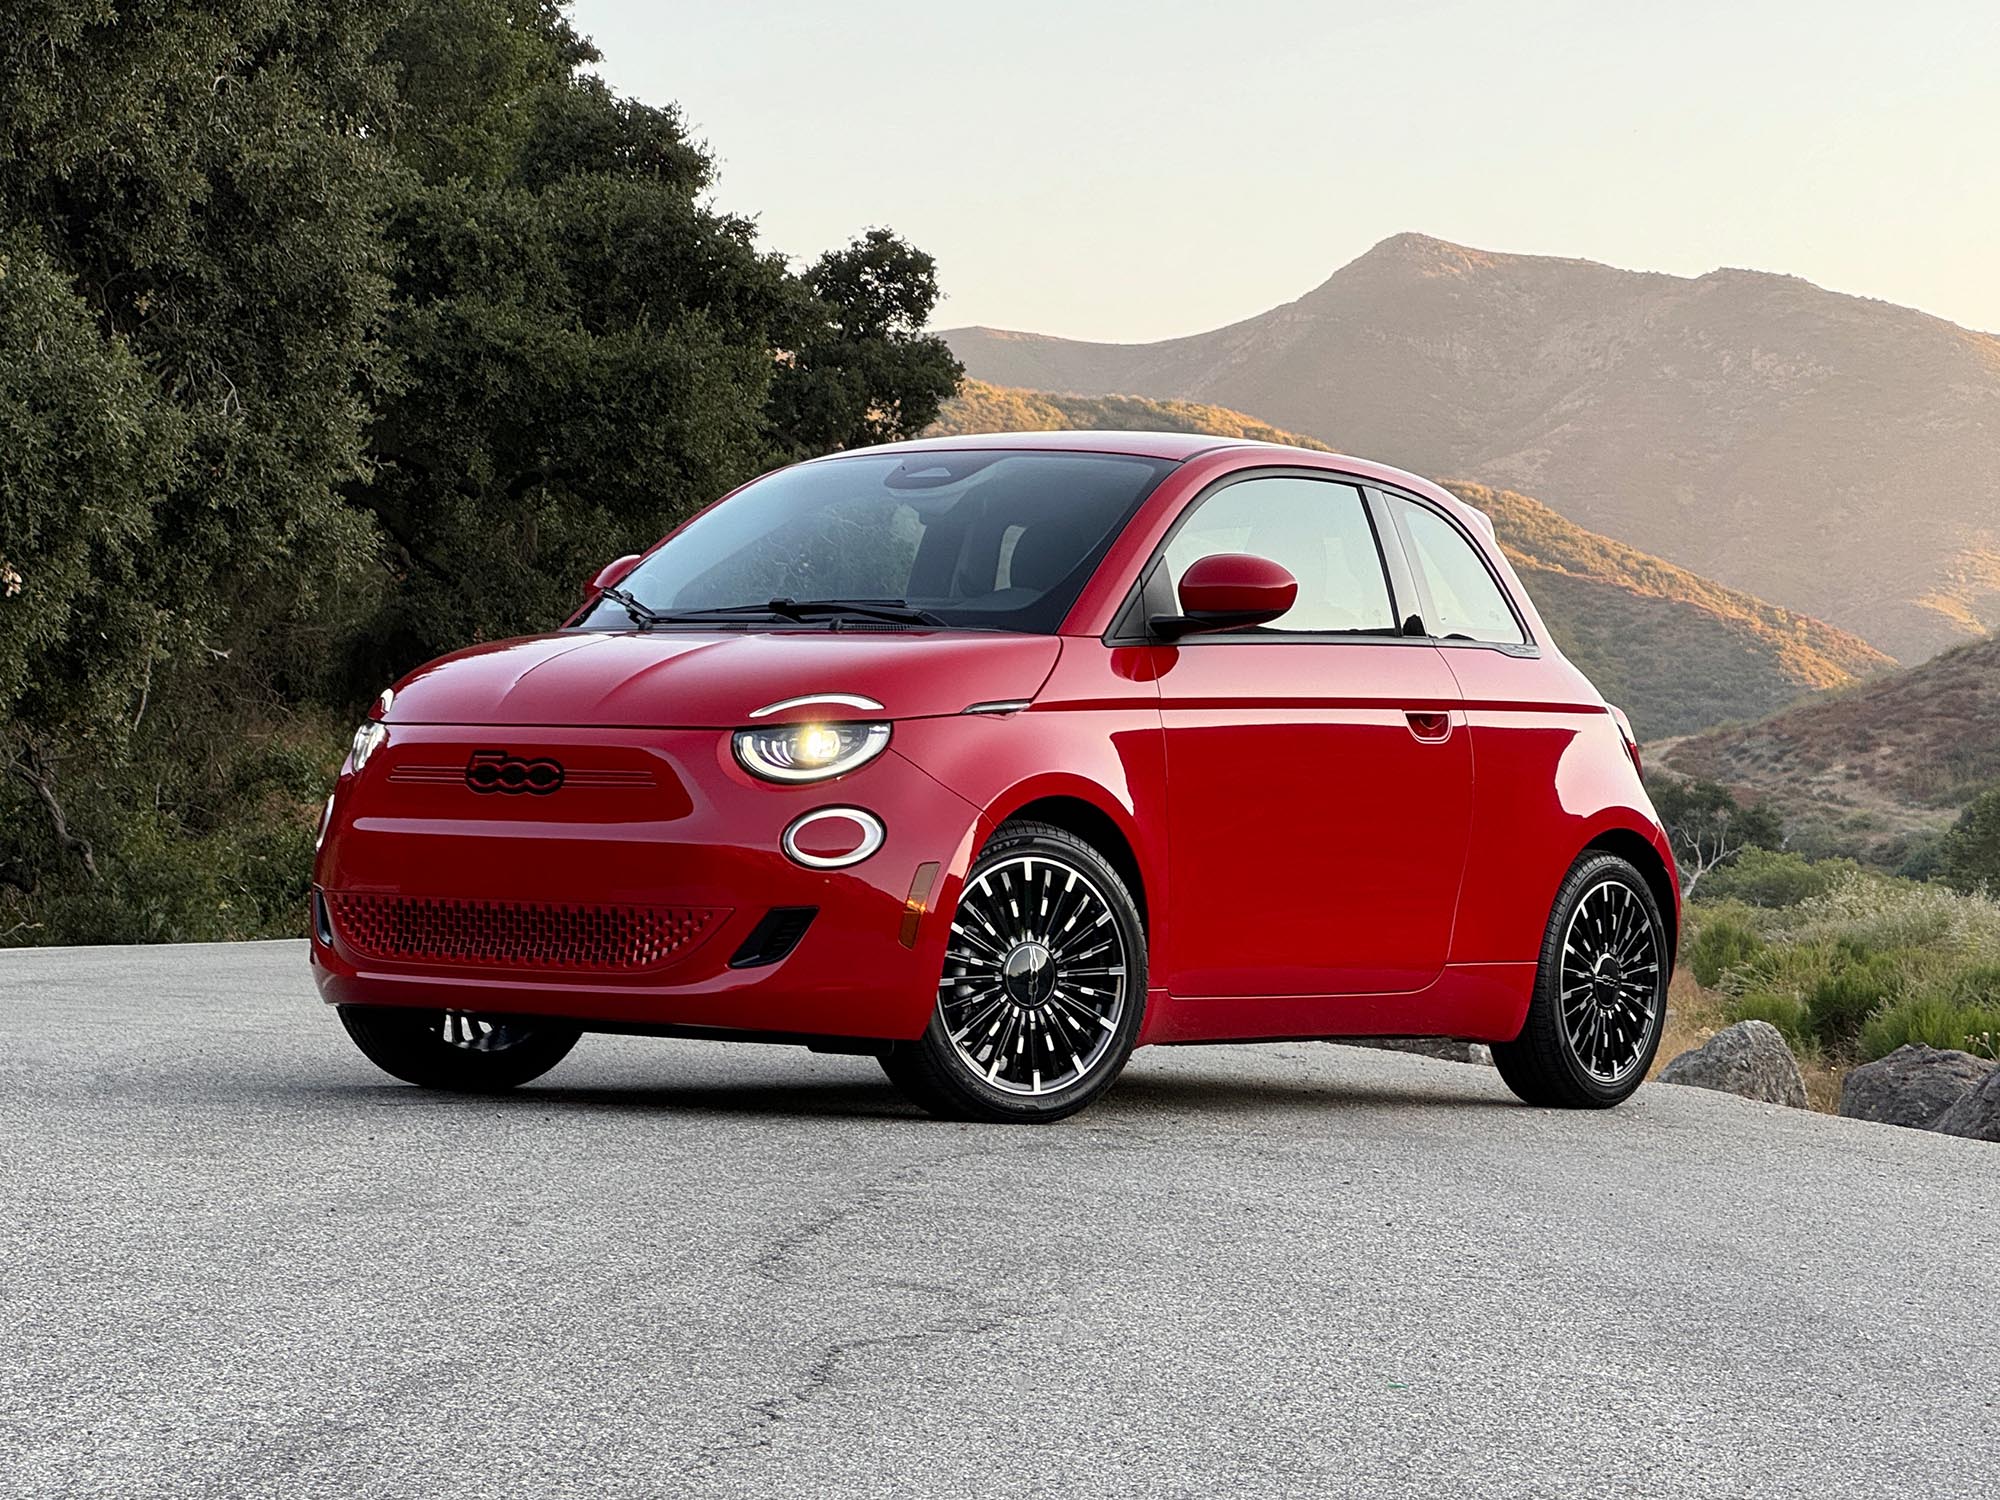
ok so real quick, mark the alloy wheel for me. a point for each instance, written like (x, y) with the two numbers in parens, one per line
(1610, 981)
(474, 1033)
(1035, 976)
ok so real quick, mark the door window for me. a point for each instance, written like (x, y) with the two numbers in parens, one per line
(1466, 601)
(1318, 531)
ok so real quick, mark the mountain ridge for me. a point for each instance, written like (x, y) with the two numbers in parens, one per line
(1677, 651)
(1836, 455)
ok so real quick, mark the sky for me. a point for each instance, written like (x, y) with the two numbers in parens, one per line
(1138, 171)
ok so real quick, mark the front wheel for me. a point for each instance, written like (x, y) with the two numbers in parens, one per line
(455, 1049)
(1043, 989)
(1600, 1000)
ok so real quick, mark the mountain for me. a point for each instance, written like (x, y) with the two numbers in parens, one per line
(1677, 651)
(1867, 767)
(1835, 455)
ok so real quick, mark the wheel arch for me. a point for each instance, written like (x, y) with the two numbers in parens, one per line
(1097, 827)
(1637, 850)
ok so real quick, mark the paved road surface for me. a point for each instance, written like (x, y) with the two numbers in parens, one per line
(234, 1260)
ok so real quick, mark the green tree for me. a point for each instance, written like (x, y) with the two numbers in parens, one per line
(584, 350)
(1968, 858)
(1708, 827)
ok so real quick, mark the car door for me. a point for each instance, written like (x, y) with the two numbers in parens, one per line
(1524, 713)
(1318, 776)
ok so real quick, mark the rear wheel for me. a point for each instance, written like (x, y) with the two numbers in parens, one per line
(1043, 989)
(455, 1049)
(1600, 999)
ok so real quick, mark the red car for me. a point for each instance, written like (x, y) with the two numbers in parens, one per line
(997, 757)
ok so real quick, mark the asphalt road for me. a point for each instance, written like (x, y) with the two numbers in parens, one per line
(234, 1260)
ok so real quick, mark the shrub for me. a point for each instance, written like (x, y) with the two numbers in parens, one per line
(1768, 877)
(1931, 1021)
(1786, 1012)
(1721, 942)
(1855, 983)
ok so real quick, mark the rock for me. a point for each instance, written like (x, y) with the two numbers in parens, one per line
(1912, 1086)
(1749, 1058)
(1977, 1114)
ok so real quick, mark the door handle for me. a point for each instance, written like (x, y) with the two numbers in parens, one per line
(1431, 726)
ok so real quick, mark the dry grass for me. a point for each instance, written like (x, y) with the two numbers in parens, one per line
(1695, 1014)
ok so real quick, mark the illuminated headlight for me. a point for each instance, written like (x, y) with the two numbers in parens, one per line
(367, 740)
(809, 752)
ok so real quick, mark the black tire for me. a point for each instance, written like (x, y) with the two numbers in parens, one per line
(455, 1050)
(1053, 1012)
(1597, 1052)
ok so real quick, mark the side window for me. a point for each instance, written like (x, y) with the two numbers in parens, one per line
(1465, 598)
(1317, 530)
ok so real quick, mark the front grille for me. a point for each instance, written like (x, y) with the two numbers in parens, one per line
(506, 934)
(607, 780)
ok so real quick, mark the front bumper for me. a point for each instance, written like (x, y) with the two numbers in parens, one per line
(659, 821)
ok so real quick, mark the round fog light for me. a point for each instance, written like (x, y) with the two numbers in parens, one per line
(833, 837)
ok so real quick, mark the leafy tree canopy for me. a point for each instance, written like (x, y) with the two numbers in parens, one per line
(333, 334)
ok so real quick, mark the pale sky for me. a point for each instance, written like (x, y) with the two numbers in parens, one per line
(1136, 171)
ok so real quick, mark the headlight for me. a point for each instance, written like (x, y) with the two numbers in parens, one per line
(809, 752)
(367, 740)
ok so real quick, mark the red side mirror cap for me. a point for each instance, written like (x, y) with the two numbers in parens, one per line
(610, 575)
(1230, 591)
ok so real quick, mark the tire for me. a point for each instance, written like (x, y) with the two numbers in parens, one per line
(1040, 999)
(455, 1050)
(1606, 948)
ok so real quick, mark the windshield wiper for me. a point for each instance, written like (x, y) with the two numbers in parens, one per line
(892, 611)
(642, 614)
(889, 611)
(646, 617)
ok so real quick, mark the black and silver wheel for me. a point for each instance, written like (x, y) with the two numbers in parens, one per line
(455, 1049)
(1043, 988)
(1600, 999)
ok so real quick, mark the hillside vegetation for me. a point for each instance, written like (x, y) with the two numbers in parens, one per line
(1837, 456)
(979, 407)
(1677, 651)
(1868, 770)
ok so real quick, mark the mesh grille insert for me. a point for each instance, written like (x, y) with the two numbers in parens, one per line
(505, 933)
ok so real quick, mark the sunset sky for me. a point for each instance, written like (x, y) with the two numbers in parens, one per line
(1134, 171)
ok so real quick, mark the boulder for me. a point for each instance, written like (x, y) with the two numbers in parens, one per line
(1912, 1086)
(1749, 1058)
(1977, 1114)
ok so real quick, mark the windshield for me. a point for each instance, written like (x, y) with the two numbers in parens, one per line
(993, 540)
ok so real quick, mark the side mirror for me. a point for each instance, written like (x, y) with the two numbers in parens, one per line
(1229, 591)
(611, 574)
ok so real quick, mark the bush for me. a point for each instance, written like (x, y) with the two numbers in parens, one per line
(1786, 1012)
(1768, 877)
(1931, 1021)
(1855, 984)
(1721, 941)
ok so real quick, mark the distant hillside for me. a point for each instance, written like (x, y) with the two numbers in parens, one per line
(1677, 651)
(1894, 755)
(1838, 456)
(979, 407)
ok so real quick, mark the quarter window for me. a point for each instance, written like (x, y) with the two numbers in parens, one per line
(1316, 530)
(1466, 601)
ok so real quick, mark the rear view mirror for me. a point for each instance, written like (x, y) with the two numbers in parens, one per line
(610, 574)
(1229, 591)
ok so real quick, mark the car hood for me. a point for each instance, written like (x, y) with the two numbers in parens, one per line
(718, 679)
